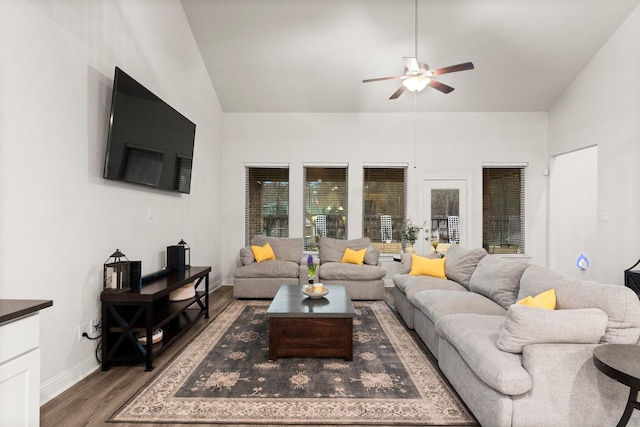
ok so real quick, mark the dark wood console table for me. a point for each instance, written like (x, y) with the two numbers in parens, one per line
(127, 312)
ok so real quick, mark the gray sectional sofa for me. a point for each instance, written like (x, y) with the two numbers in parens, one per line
(515, 365)
(263, 279)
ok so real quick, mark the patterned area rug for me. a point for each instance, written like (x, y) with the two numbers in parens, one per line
(224, 377)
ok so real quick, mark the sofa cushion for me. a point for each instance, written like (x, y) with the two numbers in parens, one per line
(461, 262)
(498, 278)
(422, 266)
(372, 257)
(400, 281)
(420, 283)
(438, 303)
(263, 253)
(331, 250)
(273, 268)
(346, 271)
(619, 303)
(285, 248)
(246, 256)
(352, 256)
(474, 336)
(532, 325)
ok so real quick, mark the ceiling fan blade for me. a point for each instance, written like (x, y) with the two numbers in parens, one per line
(398, 92)
(452, 69)
(411, 64)
(440, 86)
(378, 79)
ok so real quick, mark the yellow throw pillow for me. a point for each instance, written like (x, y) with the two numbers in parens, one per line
(263, 253)
(422, 266)
(354, 257)
(546, 299)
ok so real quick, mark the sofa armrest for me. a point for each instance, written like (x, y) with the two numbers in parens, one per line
(567, 387)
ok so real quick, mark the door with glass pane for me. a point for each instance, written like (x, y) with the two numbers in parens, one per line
(444, 214)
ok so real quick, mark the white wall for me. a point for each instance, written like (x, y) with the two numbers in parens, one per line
(59, 219)
(573, 212)
(448, 145)
(602, 107)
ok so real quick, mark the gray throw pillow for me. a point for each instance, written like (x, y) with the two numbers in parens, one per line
(372, 256)
(498, 278)
(246, 256)
(461, 263)
(530, 325)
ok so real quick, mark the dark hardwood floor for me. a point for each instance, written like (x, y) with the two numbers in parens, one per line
(96, 398)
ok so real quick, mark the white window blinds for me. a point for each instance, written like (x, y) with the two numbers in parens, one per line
(325, 204)
(384, 205)
(266, 202)
(503, 209)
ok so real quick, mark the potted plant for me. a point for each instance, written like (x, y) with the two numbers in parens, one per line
(311, 266)
(410, 232)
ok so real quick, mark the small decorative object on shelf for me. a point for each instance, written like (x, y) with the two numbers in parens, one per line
(176, 258)
(434, 245)
(187, 253)
(116, 271)
(410, 233)
(311, 266)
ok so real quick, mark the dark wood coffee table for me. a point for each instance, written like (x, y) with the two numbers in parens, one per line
(303, 327)
(622, 363)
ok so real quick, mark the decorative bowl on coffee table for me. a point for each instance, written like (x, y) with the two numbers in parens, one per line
(315, 294)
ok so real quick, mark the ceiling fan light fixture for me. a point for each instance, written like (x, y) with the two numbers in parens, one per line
(416, 83)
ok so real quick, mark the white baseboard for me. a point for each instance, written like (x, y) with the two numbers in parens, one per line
(66, 379)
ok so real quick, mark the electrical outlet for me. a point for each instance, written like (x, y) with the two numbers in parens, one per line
(81, 330)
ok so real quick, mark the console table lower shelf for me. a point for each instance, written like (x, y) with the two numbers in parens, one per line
(128, 313)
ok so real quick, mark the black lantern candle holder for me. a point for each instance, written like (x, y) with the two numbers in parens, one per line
(116, 273)
(187, 253)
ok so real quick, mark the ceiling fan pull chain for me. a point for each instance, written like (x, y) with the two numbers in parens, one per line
(415, 30)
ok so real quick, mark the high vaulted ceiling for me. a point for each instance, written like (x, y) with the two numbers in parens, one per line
(312, 55)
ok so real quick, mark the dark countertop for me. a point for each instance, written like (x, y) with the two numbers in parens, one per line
(11, 309)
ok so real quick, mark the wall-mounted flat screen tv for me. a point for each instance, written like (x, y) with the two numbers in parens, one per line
(149, 142)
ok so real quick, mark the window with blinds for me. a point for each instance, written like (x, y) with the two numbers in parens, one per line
(266, 202)
(325, 204)
(384, 206)
(503, 208)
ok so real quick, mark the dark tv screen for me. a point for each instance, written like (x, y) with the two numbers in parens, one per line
(149, 142)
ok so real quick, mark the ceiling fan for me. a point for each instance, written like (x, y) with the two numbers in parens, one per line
(417, 75)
